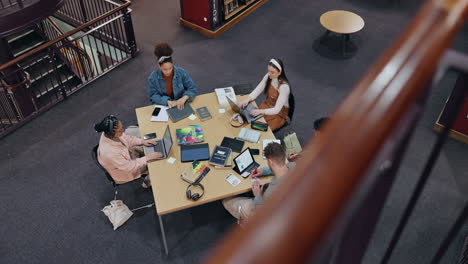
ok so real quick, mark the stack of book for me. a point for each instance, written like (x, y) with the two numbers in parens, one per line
(221, 158)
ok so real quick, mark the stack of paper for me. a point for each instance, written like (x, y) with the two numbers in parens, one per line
(222, 93)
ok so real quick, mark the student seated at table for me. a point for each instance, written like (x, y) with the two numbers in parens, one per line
(116, 150)
(243, 207)
(318, 124)
(275, 85)
(168, 84)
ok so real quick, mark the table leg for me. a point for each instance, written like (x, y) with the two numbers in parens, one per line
(343, 44)
(324, 36)
(163, 234)
(344, 41)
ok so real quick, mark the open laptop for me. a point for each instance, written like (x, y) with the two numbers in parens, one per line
(164, 145)
(176, 114)
(245, 163)
(244, 112)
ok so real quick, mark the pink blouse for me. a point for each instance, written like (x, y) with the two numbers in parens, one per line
(115, 158)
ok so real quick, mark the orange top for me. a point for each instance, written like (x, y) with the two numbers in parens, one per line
(169, 90)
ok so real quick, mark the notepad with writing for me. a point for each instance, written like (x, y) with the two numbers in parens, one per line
(249, 135)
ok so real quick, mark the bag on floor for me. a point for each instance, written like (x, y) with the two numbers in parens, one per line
(117, 212)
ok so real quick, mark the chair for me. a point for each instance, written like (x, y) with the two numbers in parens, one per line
(110, 179)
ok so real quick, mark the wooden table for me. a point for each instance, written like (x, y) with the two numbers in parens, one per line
(343, 23)
(168, 188)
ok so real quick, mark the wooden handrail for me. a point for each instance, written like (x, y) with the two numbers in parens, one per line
(72, 45)
(70, 33)
(291, 224)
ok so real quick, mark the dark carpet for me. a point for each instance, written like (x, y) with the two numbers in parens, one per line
(52, 192)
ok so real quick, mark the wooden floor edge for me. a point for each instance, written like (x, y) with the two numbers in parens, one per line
(453, 134)
(228, 25)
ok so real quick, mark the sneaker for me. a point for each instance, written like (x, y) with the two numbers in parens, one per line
(146, 183)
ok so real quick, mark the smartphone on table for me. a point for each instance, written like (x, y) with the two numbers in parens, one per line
(149, 136)
(156, 111)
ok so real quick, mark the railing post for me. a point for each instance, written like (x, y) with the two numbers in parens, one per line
(83, 11)
(129, 33)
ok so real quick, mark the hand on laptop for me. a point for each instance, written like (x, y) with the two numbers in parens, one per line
(171, 104)
(180, 103)
(256, 112)
(149, 142)
(154, 156)
(244, 103)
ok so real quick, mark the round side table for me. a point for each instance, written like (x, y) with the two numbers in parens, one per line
(343, 23)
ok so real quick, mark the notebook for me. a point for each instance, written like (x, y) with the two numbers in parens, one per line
(292, 144)
(249, 135)
(203, 113)
(220, 156)
(194, 152)
(227, 165)
(175, 114)
(234, 144)
(190, 135)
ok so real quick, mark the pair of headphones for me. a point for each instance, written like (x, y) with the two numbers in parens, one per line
(194, 196)
(237, 120)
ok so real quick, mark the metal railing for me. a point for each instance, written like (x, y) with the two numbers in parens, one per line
(48, 74)
(9, 3)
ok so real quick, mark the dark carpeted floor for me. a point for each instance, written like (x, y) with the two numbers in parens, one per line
(52, 192)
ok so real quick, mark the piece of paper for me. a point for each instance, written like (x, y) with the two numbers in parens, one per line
(245, 174)
(222, 110)
(232, 179)
(171, 160)
(192, 117)
(162, 116)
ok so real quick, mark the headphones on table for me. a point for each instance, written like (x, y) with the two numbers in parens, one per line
(194, 196)
(237, 120)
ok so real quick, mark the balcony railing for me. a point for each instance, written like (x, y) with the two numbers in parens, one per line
(48, 74)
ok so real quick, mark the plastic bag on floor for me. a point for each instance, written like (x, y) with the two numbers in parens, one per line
(117, 212)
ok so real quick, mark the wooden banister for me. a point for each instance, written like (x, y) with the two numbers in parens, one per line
(291, 224)
(68, 34)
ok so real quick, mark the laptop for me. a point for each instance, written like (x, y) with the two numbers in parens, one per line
(245, 112)
(164, 145)
(175, 114)
(245, 163)
(194, 152)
